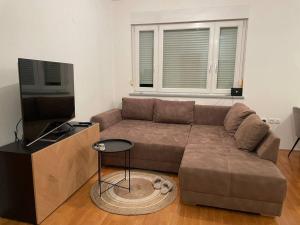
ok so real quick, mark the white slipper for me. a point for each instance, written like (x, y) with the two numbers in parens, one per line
(157, 182)
(166, 187)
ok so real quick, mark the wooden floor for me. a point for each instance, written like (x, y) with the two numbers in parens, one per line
(80, 210)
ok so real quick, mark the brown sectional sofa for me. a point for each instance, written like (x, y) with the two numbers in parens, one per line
(212, 170)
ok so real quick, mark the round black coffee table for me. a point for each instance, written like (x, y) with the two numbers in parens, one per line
(114, 146)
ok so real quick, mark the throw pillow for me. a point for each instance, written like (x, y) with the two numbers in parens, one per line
(251, 132)
(235, 116)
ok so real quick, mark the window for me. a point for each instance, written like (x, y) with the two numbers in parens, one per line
(189, 57)
(27, 75)
(43, 77)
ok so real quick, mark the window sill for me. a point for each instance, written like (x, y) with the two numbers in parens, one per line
(185, 95)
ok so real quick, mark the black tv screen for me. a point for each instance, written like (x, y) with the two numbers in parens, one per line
(47, 96)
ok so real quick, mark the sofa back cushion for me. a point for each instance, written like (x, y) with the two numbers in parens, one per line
(137, 109)
(174, 111)
(235, 116)
(251, 132)
(210, 114)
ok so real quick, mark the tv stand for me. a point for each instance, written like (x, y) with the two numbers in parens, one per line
(36, 180)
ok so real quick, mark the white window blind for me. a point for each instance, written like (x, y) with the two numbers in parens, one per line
(146, 45)
(185, 58)
(52, 73)
(227, 56)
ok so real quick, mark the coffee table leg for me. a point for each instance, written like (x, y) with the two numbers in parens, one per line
(125, 164)
(99, 172)
(129, 170)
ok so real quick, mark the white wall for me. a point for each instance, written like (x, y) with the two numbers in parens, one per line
(95, 36)
(74, 31)
(272, 68)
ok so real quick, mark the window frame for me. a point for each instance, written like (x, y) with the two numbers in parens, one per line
(213, 55)
(136, 66)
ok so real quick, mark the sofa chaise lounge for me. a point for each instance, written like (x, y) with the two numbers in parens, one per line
(200, 142)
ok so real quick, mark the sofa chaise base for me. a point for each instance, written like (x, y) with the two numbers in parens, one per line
(240, 204)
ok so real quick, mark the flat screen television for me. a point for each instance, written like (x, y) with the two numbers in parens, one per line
(47, 97)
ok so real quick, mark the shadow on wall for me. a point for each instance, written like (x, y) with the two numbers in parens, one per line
(10, 112)
(286, 129)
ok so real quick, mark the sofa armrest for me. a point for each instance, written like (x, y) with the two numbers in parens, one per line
(108, 118)
(269, 147)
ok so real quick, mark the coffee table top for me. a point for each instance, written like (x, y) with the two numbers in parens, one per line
(114, 145)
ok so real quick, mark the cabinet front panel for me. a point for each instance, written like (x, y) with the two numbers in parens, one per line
(62, 168)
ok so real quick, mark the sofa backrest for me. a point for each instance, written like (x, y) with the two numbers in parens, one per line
(158, 110)
(137, 108)
(210, 114)
(186, 112)
(269, 147)
(177, 112)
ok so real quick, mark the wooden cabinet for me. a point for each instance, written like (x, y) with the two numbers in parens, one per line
(46, 175)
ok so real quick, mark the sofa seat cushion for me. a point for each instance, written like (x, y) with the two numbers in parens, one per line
(226, 171)
(153, 141)
(204, 172)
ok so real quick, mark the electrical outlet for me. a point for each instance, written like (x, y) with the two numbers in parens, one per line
(265, 119)
(274, 121)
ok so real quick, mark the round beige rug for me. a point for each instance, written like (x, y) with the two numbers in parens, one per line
(142, 199)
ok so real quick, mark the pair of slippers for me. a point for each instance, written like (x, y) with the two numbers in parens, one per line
(164, 186)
